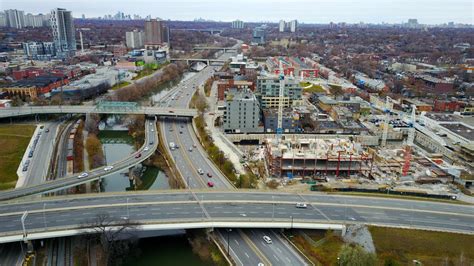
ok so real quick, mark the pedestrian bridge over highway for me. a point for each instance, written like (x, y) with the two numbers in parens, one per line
(104, 107)
(163, 210)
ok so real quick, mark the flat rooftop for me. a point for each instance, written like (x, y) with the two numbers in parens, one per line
(460, 129)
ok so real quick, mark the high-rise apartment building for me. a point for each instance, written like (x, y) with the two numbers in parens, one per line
(39, 50)
(242, 113)
(64, 37)
(15, 18)
(155, 32)
(238, 24)
(134, 39)
(293, 25)
(281, 26)
(3, 19)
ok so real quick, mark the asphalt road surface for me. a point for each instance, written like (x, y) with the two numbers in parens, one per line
(164, 207)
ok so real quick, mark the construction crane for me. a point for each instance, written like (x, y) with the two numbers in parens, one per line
(281, 96)
(409, 144)
(387, 110)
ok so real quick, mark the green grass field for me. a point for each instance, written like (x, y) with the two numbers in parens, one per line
(326, 250)
(14, 140)
(311, 88)
(402, 246)
(120, 85)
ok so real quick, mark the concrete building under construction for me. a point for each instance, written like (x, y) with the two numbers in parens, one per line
(317, 158)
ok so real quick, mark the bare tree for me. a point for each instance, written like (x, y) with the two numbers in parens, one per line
(116, 236)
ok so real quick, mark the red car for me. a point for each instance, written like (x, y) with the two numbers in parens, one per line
(138, 155)
(210, 184)
(209, 175)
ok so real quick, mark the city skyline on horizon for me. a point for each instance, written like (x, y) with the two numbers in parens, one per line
(459, 11)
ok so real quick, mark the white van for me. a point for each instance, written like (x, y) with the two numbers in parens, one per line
(267, 239)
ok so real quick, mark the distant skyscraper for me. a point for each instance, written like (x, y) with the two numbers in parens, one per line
(413, 23)
(3, 19)
(154, 31)
(281, 26)
(83, 16)
(15, 18)
(134, 39)
(64, 37)
(293, 25)
(238, 24)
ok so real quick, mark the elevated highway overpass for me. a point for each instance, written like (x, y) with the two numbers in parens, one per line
(163, 210)
(84, 109)
(148, 148)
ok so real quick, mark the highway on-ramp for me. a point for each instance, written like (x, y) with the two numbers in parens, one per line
(149, 147)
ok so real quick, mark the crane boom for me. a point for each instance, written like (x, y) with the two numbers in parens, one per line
(281, 95)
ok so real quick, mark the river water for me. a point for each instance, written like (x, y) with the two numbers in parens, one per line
(117, 144)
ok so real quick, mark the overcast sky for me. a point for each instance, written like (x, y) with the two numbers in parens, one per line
(309, 11)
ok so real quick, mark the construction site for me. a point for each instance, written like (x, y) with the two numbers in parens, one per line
(317, 158)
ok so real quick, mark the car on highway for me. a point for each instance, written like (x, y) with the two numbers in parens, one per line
(151, 142)
(210, 184)
(82, 175)
(47, 130)
(138, 155)
(301, 205)
(171, 111)
(209, 175)
(152, 130)
(146, 149)
(200, 171)
(190, 149)
(194, 145)
(267, 239)
(108, 168)
(180, 132)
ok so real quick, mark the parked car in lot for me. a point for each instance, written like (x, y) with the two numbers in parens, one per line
(267, 239)
(82, 175)
(108, 168)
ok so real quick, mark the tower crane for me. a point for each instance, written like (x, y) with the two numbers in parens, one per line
(385, 122)
(281, 95)
(409, 144)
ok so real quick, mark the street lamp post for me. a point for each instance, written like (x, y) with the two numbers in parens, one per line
(228, 242)
(273, 207)
(128, 211)
(44, 215)
(23, 218)
(291, 222)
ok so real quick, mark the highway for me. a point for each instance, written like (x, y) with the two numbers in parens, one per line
(181, 132)
(84, 109)
(151, 143)
(39, 163)
(226, 209)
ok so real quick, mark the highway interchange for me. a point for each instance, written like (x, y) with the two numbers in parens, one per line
(218, 207)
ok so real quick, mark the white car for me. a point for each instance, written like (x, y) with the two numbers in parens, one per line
(301, 205)
(200, 171)
(108, 168)
(146, 149)
(267, 239)
(82, 175)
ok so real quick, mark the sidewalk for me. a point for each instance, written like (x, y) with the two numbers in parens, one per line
(226, 146)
